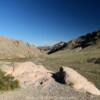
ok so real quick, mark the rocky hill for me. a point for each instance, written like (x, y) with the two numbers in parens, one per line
(83, 41)
(10, 49)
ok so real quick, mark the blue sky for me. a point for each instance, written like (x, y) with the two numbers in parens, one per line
(42, 22)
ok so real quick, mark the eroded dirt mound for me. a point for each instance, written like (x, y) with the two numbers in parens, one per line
(80, 82)
(28, 73)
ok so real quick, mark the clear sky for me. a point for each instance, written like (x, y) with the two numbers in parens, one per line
(43, 22)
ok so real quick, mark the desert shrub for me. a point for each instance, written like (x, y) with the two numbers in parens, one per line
(94, 60)
(91, 60)
(97, 61)
(7, 82)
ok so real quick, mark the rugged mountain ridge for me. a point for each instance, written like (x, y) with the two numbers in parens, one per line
(83, 41)
(10, 49)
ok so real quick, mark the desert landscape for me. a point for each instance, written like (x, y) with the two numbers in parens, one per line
(49, 49)
(34, 74)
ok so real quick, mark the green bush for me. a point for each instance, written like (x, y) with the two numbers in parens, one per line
(7, 82)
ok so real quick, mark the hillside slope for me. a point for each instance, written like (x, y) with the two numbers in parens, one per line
(10, 49)
(83, 41)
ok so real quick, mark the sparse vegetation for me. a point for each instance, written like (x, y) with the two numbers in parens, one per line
(94, 60)
(7, 82)
(97, 61)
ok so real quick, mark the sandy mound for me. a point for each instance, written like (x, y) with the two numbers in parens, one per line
(80, 82)
(28, 73)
